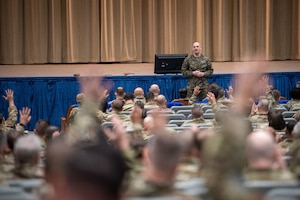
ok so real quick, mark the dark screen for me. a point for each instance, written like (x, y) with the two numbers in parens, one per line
(168, 63)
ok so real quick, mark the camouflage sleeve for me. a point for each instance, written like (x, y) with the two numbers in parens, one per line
(12, 116)
(297, 115)
(216, 107)
(72, 115)
(101, 116)
(209, 70)
(192, 99)
(185, 68)
(270, 98)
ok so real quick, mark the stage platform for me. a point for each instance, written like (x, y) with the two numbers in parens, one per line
(118, 69)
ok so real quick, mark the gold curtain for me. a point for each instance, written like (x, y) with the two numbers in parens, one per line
(82, 31)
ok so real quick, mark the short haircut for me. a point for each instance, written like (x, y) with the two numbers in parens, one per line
(165, 151)
(276, 94)
(41, 126)
(96, 167)
(49, 132)
(150, 96)
(197, 111)
(260, 145)
(27, 149)
(117, 105)
(182, 93)
(264, 104)
(128, 96)
(120, 91)
(161, 99)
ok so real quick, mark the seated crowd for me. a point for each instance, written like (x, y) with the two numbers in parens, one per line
(133, 151)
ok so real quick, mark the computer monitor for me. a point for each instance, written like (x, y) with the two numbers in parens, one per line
(168, 63)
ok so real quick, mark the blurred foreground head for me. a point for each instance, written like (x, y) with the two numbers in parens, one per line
(86, 170)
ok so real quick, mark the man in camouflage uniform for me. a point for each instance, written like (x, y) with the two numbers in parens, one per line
(261, 154)
(12, 112)
(197, 68)
(295, 99)
(128, 102)
(259, 114)
(294, 152)
(197, 116)
(27, 157)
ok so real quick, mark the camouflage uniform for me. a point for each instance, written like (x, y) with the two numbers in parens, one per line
(11, 120)
(297, 115)
(188, 168)
(140, 98)
(123, 117)
(295, 161)
(267, 174)
(5, 170)
(28, 172)
(261, 120)
(286, 145)
(293, 104)
(223, 158)
(73, 113)
(140, 187)
(194, 121)
(128, 106)
(203, 64)
(150, 105)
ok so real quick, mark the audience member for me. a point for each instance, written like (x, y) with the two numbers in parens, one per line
(39, 130)
(154, 88)
(5, 167)
(276, 95)
(79, 100)
(182, 97)
(12, 112)
(276, 120)
(128, 102)
(287, 142)
(261, 155)
(117, 107)
(27, 157)
(139, 95)
(161, 102)
(295, 152)
(150, 101)
(51, 132)
(197, 117)
(259, 113)
(295, 99)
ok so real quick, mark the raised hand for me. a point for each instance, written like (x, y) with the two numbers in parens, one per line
(9, 95)
(25, 116)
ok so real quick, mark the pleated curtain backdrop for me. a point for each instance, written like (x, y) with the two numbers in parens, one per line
(83, 31)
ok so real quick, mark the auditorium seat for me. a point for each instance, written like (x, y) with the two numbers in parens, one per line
(288, 114)
(185, 112)
(176, 108)
(283, 194)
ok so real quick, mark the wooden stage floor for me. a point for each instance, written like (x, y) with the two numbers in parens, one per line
(117, 69)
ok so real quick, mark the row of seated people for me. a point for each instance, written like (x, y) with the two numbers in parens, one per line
(94, 162)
